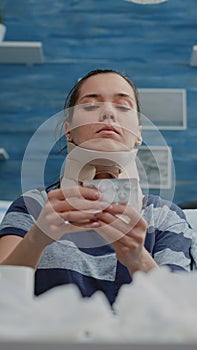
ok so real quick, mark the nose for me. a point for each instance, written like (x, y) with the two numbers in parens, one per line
(107, 113)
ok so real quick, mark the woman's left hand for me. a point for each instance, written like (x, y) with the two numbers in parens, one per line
(125, 229)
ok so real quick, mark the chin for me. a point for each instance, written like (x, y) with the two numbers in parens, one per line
(105, 144)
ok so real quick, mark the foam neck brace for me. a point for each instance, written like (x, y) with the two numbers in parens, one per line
(83, 164)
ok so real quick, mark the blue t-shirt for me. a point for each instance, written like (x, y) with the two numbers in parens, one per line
(87, 260)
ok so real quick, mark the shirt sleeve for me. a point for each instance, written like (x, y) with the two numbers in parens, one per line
(173, 239)
(22, 214)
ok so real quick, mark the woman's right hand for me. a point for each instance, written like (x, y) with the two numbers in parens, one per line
(69, 210)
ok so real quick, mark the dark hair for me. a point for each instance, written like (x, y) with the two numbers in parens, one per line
(74, 92)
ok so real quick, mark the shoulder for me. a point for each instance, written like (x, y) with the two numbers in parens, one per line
(29, 203)
(162, 213)
(22, 213)
(156, 203)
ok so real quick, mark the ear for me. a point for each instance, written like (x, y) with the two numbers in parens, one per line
(67, 132)
(138, 141)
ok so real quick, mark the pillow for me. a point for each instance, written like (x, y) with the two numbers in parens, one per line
(4, 205)
(191, 215)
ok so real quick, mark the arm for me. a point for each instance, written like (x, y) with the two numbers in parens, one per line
(172, 237)
(50, 225)
(15, 250)
(127, 238)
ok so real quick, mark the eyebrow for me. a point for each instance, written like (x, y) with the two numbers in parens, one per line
(89, 96)
(98, 96)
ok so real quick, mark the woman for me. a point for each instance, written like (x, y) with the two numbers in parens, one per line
(73, 234)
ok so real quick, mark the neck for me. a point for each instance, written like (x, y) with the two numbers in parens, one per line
(104, 172)
(85, 164)
(103, 176)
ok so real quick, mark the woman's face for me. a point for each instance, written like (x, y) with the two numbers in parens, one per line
(105, 116)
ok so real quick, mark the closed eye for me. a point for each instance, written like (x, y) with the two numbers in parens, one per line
(91, 107)
(123, 108)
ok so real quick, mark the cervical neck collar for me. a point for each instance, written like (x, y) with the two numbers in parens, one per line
(83, 164)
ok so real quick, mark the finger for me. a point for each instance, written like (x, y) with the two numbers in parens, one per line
(136, 232)
(75, 191)
(125, 210)
(108, 232)
(83, 205)
(56, 232)
(134, 229)
(80, 191)
(120, 222)
(119, 239)
(78, 216)
(112, 220)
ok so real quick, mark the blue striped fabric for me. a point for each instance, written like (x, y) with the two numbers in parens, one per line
(87, 260)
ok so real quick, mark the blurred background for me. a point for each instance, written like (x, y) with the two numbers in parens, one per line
(151, 44)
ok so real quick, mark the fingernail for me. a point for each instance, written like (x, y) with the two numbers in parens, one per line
(98, 195)
(104, 205)
(96, 213)
(95, 224)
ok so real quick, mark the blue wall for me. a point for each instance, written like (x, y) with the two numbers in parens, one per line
(151, 44)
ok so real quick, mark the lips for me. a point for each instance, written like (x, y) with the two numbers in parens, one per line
(108, 128)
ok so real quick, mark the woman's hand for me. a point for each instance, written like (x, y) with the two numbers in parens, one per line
(125, 229)
(69, 210)
(75, 205)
